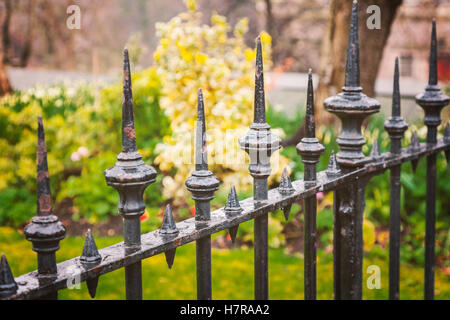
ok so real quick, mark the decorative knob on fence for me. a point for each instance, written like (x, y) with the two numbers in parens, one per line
(8, 285)
(433, 99)
(351, 105)
(130, 175)
(259, 142)
(202, 183)
(45, 230)
(395, 125)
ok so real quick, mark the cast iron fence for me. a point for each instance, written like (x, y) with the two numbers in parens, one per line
(347, 175)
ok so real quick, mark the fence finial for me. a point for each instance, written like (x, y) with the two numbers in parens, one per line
(8, 285)
(260, 105)
(333, 168)
(432, 100)
(310, 122)
(202, 183)
(128, 131)
(352, 66)
(201, 154)
(44, 199)
(432, 76)
(285, 187)
(395, 125)
(90, 253)
(45, 230)
(375, 152)
(232, 207)
(396, 92)
(168, 224)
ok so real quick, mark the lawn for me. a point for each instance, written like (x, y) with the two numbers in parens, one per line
(232, 273)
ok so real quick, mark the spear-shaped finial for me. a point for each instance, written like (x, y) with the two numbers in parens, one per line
(396, 92)
(8, 285)
(168, 224)
(310, 122)
(352, 67)
(432, 76)
(44, 200)
(90, 256)
(333, 168)
(375, 153)
(260, 105)
(201, 155)
(128, 132)
(90, 252)
(232, 207)
(285, 187)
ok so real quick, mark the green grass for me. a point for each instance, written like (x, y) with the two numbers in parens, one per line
(232, 273)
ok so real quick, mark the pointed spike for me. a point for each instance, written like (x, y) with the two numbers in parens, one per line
(44, 199)
(375, 153)
(333, 169)
(90, 252)
(433, 75)
(8, 285)
(233, 232)
(168, 224)
(232, 207)
(396, 92)
(285, 187)
(92, 286)
(201, 154)
(310, 122)
(287, 211)
(352, 66)
(170, 256)
(260, 104)
(128, 132)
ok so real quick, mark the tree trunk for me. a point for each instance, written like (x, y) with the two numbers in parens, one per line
(334, 52)
(5, 86)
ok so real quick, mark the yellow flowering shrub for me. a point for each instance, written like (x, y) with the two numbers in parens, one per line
(192, 55)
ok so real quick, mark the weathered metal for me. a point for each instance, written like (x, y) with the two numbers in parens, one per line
(130, 176)
(202, 184)
(432, 101)
(45, 230)
(8, 285)
(310, 150)
(396, 127)
(260, 143)
(286, 189)
(346, 175)
(352, 107)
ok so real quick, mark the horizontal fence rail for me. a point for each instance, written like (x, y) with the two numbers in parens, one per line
(347, 175)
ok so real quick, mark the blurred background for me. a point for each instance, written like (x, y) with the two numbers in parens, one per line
(63, 59)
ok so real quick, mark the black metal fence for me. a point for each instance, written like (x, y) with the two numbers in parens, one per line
(347, 175)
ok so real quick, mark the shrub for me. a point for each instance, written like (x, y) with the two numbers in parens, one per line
(191, 55)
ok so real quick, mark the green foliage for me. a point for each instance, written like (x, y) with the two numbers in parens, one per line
(232, 273)
(83, 137)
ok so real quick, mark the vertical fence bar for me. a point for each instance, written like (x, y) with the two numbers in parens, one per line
(45, 230)
(432, 101)
(202, 184)
(396, 127)
(260, 143)
(130, 176)
(352, 107)
(310, 150)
